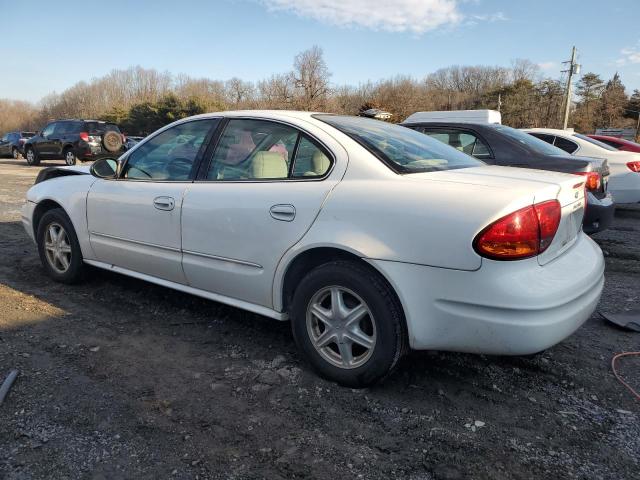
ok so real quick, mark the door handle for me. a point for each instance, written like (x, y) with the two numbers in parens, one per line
(164, 203)
(283, 212)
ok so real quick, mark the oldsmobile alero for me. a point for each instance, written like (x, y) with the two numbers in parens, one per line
(370, 238)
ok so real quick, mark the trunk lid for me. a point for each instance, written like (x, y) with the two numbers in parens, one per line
(525, 187)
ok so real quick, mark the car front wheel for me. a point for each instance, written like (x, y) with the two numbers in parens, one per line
(32, 157)
(58, 247)
(348, 323)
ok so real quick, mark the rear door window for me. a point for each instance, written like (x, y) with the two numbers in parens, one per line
(462, 140)
(252, 149)
(566, 145)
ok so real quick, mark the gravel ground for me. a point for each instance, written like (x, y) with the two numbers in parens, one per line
(124, 379)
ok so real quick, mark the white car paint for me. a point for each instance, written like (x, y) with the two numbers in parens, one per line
(624, 184)
(220, 241)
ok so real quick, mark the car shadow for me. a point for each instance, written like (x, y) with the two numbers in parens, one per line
(117, 301)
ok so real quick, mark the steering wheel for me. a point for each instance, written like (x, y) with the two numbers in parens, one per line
(179, 166)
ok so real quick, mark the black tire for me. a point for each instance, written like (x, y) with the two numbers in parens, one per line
(76, 269)
(391, 341)
(31, 156)
(69, 155)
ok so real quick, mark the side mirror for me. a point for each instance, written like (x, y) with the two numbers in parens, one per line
(106, 168)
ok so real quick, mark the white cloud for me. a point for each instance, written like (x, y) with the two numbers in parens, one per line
(547, 65)
(630, 55)
(416, 16)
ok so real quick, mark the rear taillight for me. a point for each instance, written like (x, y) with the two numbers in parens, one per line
(84, 136)
(634, 166)
(593, 181)
(522, 234)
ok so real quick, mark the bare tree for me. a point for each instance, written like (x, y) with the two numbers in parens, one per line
(311, 77)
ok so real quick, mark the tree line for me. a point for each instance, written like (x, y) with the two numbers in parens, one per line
(141, 100)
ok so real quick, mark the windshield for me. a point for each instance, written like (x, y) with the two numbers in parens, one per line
(595, 142)
(402, 149)
(530, 141)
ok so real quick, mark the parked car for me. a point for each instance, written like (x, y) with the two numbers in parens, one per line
(617, 143)
(75, 140)
(501, 145)
(369, 237)
(11, 144)
(624, 181)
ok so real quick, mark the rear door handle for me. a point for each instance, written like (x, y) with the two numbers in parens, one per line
(283, 212)
(164, 203)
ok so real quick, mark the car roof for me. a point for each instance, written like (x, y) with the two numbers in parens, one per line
(551, 131)
(299, 114)
(440, 123)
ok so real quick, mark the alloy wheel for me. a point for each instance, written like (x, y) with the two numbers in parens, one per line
(30, 156)
(70, 158)
(341, 327)
(14, 153)
(57, 248)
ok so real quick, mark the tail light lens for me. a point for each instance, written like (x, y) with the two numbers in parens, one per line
(522, 234)
(634, 166)
(593, 181)
(84, 136)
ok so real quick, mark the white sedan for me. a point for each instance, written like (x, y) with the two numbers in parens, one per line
(624, 167)
(369, 237)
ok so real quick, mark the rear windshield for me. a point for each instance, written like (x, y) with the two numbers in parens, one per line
(529, 140)
(100, 127)
(595, 142)
(27, 134)
(402, 149)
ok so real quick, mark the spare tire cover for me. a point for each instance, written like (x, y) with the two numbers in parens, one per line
(112, 141)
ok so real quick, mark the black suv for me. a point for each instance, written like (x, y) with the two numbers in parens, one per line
(501, 145)
(74, 140)
(11, 144)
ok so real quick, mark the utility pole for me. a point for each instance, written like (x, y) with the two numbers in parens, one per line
(500, 102)
(573, 69)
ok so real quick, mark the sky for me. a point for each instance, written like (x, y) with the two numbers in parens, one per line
(48, 46)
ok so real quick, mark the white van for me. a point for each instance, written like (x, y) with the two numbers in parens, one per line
(470, 116)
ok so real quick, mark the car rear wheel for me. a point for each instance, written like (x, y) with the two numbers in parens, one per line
(70, 157)
(348, 323)
(32, 157)
(58, 247)
(15, 153)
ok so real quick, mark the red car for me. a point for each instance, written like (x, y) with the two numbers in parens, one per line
(618, 143)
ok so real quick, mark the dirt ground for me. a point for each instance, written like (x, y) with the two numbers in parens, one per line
(123, 379)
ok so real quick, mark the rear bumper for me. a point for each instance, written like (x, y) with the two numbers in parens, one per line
(625, 187)
(599, 214)
(505, 308)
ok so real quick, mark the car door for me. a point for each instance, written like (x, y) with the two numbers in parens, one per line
(4, 142)
(134, 221)
(44, 146)
(257, 195)
(54, 141)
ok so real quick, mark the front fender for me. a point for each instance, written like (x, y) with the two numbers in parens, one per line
(70, 192)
